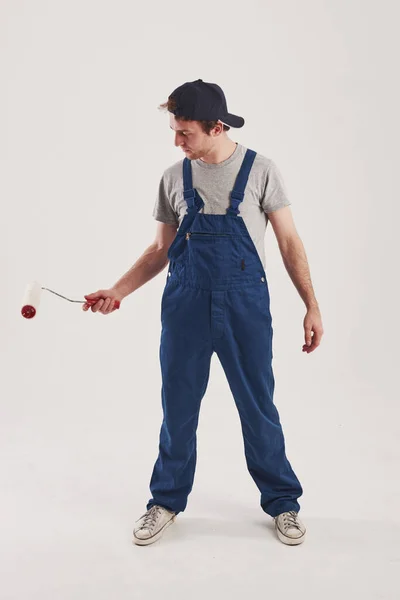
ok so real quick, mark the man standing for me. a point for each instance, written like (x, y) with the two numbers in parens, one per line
(212, 211)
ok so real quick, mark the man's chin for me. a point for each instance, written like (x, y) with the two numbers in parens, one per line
(192, 155)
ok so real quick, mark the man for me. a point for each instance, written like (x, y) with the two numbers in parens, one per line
(212, 211)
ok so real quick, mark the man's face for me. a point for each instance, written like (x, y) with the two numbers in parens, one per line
(191, 138)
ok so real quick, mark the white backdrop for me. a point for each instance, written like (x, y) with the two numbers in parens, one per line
(82, 149)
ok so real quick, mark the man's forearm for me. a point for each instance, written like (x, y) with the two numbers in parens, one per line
(150, 264)
(295, 261)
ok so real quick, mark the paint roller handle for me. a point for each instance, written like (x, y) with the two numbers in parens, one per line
(92, 302)
(97, 301)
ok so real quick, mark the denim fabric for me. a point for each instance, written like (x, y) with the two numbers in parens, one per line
(216, 299)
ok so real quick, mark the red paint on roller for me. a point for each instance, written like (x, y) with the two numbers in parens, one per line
(28, 311)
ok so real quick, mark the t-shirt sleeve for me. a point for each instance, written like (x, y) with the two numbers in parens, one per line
(163, 210)
(275, 194)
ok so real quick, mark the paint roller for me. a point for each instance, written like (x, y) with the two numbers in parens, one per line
(33, 294)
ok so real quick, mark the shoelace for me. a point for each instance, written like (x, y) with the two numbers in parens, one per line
(290, 520)
(150, 517)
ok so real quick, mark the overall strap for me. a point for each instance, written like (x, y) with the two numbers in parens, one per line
(193, 200)
(194, 204)
(237, 193)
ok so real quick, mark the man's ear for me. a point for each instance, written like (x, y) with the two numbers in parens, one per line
(218, 129)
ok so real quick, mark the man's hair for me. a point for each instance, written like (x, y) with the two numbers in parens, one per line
(206, 126)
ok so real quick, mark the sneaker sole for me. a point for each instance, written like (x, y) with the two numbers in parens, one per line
(153, 538)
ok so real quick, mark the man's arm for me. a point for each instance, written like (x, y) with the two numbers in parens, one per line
(293, 253)
(295, 261)
(153, 260)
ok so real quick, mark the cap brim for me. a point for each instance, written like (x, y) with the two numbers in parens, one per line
(232, 120)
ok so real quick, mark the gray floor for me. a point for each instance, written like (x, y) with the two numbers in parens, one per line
(84, 551)
(74, 482)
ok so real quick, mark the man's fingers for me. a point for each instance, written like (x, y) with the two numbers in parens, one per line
(317, 337)
(308, 336)
(111, 307)
(315, 340)
(87, 305)
(91, 300)
(92, 297)
(95, 306)
(98, 305)
(105, 306)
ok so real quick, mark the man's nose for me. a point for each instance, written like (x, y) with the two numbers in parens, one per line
(177, 140)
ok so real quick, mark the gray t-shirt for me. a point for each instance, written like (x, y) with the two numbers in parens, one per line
(265, 192)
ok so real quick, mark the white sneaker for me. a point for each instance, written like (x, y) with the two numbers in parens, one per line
(150, 526)
(289, 528)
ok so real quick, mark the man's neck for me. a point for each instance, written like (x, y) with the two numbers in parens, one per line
(218, 155)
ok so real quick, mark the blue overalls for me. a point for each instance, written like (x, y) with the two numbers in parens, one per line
(216, 298)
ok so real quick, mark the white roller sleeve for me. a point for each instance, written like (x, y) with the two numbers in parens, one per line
(31, 300)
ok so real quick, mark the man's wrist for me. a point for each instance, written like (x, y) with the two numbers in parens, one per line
(122, 289)
(312, 305)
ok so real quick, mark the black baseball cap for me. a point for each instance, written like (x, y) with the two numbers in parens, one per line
(201, 101)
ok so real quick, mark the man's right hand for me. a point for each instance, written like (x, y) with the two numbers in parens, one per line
(104, 301)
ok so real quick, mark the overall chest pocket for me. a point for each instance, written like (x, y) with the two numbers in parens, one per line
(218, 255)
